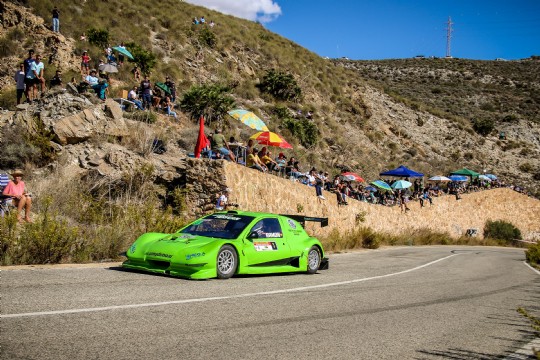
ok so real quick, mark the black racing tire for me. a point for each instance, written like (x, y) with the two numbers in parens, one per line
(313, 260)
(226, 262)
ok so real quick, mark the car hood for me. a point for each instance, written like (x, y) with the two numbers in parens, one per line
(173, 244)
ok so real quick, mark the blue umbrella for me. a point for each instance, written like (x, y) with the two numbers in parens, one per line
(491, 176)
(458, 178)
(371, 188)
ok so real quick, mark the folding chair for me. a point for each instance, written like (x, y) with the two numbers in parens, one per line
(4, 207)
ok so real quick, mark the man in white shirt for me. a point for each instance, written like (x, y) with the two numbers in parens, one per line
(39, 68)
(222, 200)
(132, 96)
(19, 79)
(92, 79)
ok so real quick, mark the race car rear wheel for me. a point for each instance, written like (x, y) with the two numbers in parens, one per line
(227, 261)
(314, 260)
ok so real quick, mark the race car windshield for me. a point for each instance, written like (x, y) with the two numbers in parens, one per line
(223, 226)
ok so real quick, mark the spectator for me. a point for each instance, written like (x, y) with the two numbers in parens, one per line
(291, 169)
(212, 23)
(85, 63)
(222, 201)
(19, 80)
(39, 69)
(267, 160)
(169, 106)
(132, 96)
(56, 80)
(146, 88)
(82, 37)
(219, 144)
(56, 19)
(29, 80)
(403, 201)
(195, 21)
(136, 73)
(92, 79)
(254, 162)
(120, 55)
(17, 196)
(172, 88)
(202, 21)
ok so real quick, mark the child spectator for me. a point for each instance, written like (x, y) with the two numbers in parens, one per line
(136, 73)
(85, 63)
(19, 79)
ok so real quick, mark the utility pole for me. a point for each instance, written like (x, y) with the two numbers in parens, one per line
(448, 36)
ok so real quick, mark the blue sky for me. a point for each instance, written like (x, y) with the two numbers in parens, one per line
(367, 30)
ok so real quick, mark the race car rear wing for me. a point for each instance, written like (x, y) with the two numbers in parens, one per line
(302, 219)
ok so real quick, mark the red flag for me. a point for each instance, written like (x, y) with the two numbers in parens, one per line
(202, 140)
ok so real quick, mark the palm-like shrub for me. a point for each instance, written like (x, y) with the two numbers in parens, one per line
(211, 101)
(280, 85)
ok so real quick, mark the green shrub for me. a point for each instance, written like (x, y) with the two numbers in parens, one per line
(304, 130)
(501, 230)
(207, 37)
(533, 254)
(144, 58)
(98, 37)
(280, 85)
(143, 116)
(526, 167)
(483, 126)
(212, 101)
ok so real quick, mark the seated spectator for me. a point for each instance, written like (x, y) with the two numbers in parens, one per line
(92, 79)
(291, 169)
(82, 37)
(101, 89)
(267, 160)
(195, 21)
(249, 145)
(157, 97)
(202, 21)
(220, 145)
(212, 23)
(169, 106)
(56, 80)
(18, 196)
(254, 162)
(132, 96)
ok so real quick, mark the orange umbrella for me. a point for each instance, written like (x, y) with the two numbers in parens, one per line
(271, 139)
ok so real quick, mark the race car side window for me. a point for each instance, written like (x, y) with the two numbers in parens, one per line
(267, 228)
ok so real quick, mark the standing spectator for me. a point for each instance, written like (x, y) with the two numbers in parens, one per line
(56, 20)
(56, 80)
(132, 96)
(146, 87)
(17, 195)
(29, 78)
(222, 200)
(120, 55)
(39, 69)
(172, 88)
(136, 73)
(19, 79)
(85, 63)
(403, 201)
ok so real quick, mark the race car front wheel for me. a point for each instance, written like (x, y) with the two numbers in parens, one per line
(227, 261)
(314, 260)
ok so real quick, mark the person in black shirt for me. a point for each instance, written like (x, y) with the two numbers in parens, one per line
(56, 80)
(56, 20)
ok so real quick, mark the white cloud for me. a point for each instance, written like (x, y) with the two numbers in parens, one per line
(256, 10)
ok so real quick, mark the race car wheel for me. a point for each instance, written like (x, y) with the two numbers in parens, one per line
(314, 260)
(227, 261)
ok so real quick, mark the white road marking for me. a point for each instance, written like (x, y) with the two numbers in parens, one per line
(530, 267)
(187, 301)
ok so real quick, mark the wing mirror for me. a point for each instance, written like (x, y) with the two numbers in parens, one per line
(253, 235)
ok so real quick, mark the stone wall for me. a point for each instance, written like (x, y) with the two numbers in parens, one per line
(261, 192)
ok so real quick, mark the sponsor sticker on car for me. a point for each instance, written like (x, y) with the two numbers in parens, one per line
(265, 246)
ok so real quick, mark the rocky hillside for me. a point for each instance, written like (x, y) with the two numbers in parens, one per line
(370, 116)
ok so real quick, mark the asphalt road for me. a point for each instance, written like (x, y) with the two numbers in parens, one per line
(397, 303)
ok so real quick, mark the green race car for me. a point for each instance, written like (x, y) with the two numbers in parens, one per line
(232, 242)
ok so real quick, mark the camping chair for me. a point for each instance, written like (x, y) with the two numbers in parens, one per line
(4, 206)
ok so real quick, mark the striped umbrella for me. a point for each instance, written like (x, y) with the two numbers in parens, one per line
(248, 118)
(269, 138)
